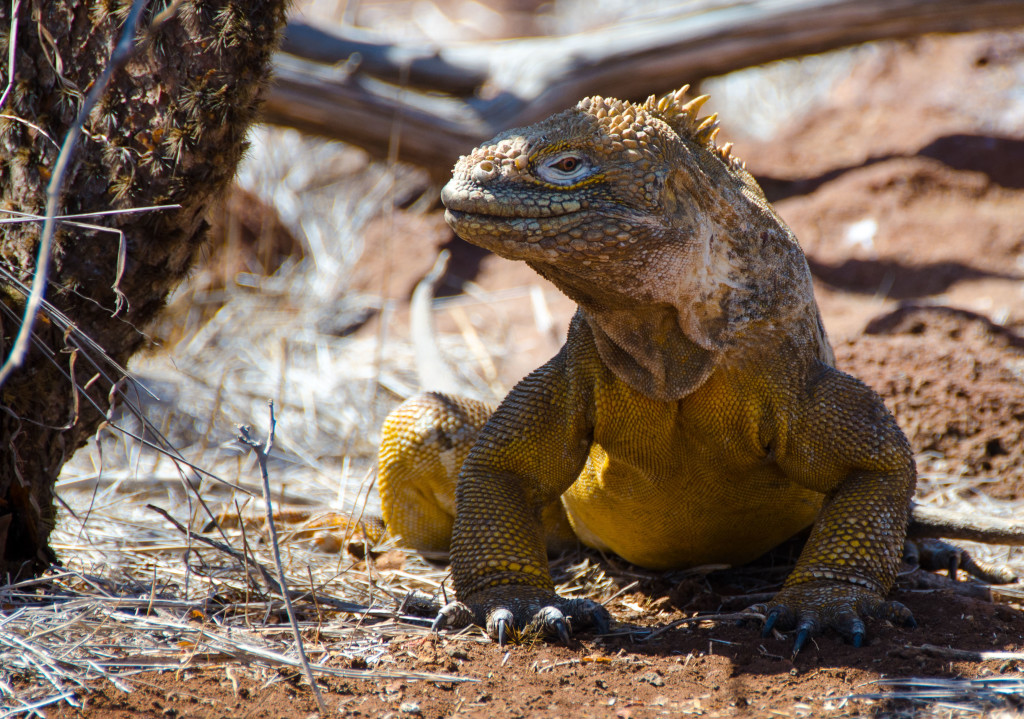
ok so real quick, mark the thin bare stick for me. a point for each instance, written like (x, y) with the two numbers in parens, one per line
(122, 51)
(967, 655)
(29, 217)
(122, 300)
(23, 121)
(262, 453)
(733, 617)
(12, 50)
(272, 584)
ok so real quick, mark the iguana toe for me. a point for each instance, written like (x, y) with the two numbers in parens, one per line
(852, 628)
(500, 622)
(507, 611)
(551, 621)
(587, 613)
(454, 615)
(779, 614)
(896, 613)
(814, 606)
(602, 620)
(935, 554)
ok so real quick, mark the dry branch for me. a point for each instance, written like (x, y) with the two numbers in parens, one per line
(262, 451)
(968, 655)
(347, 84)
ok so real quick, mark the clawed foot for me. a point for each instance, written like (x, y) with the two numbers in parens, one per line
(935, 554)
(508, 611)
(814, 606)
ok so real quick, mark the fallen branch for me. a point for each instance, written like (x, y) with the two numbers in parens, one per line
(351, 85)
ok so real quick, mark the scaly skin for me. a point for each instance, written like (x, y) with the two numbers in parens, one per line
(693, 415)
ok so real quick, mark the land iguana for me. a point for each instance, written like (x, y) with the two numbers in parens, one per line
(694, 414)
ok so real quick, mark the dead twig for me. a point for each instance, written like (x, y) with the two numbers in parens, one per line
(452, 97)
(262, 452)
(734, 617)
(966, 655)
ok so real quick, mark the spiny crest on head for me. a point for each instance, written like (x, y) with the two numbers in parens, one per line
(683, 116)
(674, 109)
(620, 112)
(621, 119)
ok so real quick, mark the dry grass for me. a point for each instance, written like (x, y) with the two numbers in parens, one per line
(136, 594)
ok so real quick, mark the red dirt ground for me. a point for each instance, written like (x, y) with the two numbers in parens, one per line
(723, 670)
(919, 140)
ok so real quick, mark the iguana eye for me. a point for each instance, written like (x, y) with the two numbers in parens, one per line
(564, 168)
(566, 164)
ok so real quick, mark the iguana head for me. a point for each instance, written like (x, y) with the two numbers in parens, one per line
(633, 208)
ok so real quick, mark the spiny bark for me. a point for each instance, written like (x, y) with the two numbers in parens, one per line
(170, 129)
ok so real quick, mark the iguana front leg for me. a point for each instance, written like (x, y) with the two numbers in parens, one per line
(839, 439)
(529, 452)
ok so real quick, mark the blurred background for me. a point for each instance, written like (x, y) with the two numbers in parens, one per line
(898, 162)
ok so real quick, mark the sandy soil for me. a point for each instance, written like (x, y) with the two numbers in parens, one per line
(907, 191)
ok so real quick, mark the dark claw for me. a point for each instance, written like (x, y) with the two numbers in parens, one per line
(563, 631)
(439, 622)
(954, 564)
(897, 614)
(502, 625)
(859, 630)
(769, 624)
(801, 639)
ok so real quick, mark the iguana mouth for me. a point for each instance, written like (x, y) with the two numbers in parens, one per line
(464, 201)
(527, 229)
(490, 218)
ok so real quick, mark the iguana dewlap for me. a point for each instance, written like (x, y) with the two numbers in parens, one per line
(693, 415)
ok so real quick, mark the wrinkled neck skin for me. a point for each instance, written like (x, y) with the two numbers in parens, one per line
(711, 286)
(649, 351)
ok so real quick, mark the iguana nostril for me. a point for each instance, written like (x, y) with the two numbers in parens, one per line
(484, 171)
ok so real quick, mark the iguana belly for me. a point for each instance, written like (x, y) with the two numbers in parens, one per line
(701, 510)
